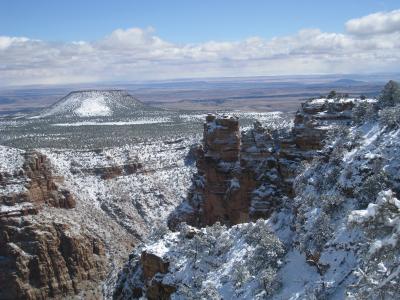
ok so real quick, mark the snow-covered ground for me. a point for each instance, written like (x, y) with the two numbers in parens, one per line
(11, 160)
(217, 263)
(117, 123)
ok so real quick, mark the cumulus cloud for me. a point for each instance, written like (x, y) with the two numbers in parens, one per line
(6, 41)
(378, 23)
(139, 54)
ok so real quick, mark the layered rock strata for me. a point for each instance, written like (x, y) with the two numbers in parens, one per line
(244, 176)
(42, 254)
(41, 259)
(31, 186)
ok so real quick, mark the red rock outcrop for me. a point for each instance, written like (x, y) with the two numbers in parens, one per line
(34, 183)
(152, 264)
(244, 177)
(221, 186)
(153, 269)
(41, 258)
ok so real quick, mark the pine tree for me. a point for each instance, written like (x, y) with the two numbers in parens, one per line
(390, 95)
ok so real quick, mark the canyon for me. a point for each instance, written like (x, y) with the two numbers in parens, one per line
(70, 217)
(244, 176)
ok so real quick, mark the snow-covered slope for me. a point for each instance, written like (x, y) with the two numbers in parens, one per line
(339, 238)
(138, 199)
(212, 263)
(94, 103)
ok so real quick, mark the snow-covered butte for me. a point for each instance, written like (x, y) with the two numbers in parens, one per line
(93, 103)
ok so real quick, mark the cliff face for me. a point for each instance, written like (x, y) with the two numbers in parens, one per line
(219, 172)
(31, 186)
(42, 259)
(315, 117)
(42, 256)
(244, 176)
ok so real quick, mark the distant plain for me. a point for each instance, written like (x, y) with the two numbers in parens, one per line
(264, 94)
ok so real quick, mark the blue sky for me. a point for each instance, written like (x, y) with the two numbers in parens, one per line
(71, 41)
(179, 21)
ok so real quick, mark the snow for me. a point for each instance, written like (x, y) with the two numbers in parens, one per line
(93, 103)
(16, 207)
(117, 123)
(137, 201)
(11, 159)
(297, 276)
(93, 107)
(159, 248)
(234, 184)
(81, 104)
(210, 261)
(341, 100)
(358, 216)
(371, 135)
(13, 188)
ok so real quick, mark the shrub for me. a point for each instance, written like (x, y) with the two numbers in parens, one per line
(317, 232)
(364, 111)
(331, 95)
(379, 272)
(371, 187)
(390, 117)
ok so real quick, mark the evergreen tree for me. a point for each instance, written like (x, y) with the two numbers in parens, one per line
(390, 95)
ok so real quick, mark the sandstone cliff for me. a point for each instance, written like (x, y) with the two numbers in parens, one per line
(42, 255)
(244, 176)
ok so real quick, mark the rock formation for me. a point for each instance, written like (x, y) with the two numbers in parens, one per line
(32, 186)
(42, 259)
(223, 186)
(42, 256)
(315, 117)
(151, 268)
(109, 172)
(244, 176)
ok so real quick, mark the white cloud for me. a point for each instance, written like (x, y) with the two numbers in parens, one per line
(378, 23)
(6, 41)
(139, 54)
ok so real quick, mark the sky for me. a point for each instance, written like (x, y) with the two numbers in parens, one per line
(53, 42)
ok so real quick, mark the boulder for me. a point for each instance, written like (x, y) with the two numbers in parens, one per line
(153, 264)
